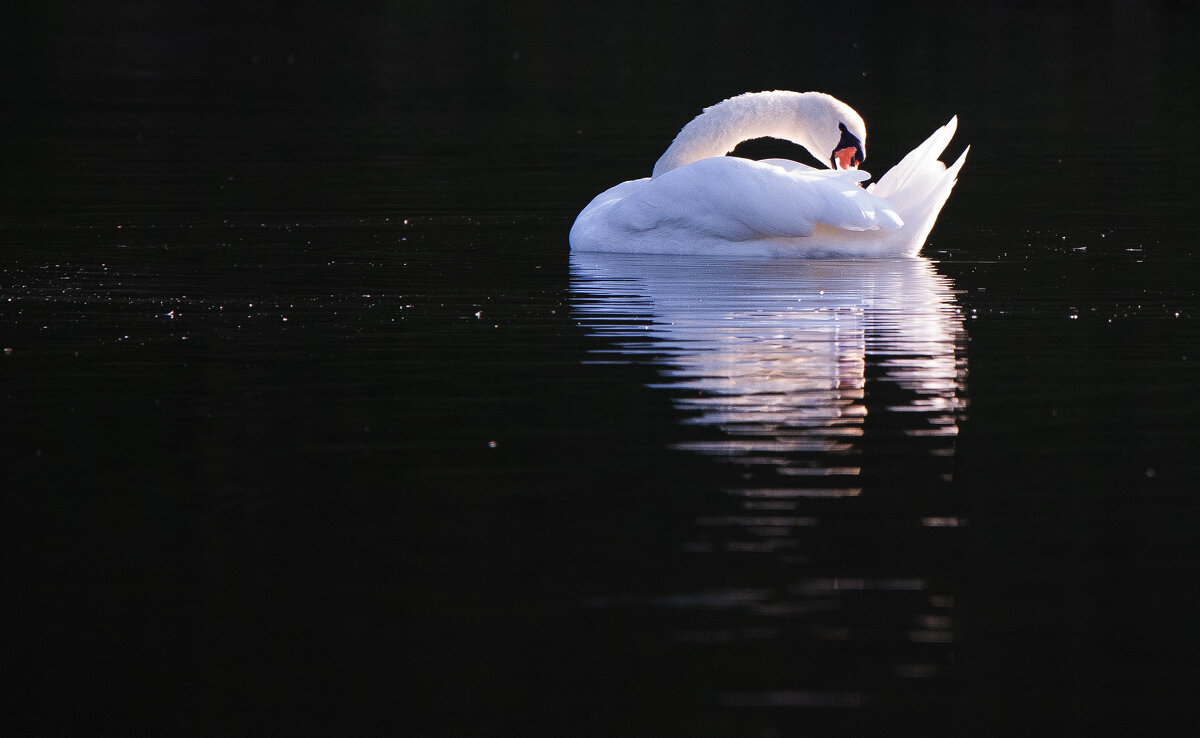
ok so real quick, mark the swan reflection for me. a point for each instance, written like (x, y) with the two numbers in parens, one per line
(832, 390)
(787, 361)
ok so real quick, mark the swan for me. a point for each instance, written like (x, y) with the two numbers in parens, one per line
(699, 201)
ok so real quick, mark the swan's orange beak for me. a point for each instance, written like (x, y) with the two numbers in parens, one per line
(846, 158)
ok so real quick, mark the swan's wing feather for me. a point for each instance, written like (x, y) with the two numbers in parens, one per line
(920, 163)
(739, 199)
(920, 184)
(789, 165)
(843, 203)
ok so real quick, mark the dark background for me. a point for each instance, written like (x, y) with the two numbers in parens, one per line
(264, 470)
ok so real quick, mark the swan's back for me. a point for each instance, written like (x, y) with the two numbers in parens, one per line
(729, 204)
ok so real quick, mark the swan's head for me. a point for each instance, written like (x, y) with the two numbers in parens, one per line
(838, 132)
(848, 153)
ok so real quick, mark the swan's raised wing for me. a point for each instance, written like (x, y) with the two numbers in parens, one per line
(920, 171)
(920, 184)
(738, 199)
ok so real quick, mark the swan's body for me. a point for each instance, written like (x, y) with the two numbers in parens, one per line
(700, 201)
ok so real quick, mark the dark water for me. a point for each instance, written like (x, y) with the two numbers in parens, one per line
(311, 424)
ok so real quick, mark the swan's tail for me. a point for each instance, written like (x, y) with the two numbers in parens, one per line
(920, 184)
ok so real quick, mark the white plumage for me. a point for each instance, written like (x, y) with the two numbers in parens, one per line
(700, 201)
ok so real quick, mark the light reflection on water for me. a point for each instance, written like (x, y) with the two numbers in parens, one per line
(833, 391)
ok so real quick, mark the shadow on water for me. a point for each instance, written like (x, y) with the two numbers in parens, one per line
(820, 575)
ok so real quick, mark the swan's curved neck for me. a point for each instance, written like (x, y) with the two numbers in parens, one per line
(793, 116)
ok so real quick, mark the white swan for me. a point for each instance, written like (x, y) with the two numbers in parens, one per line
(699, 201)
